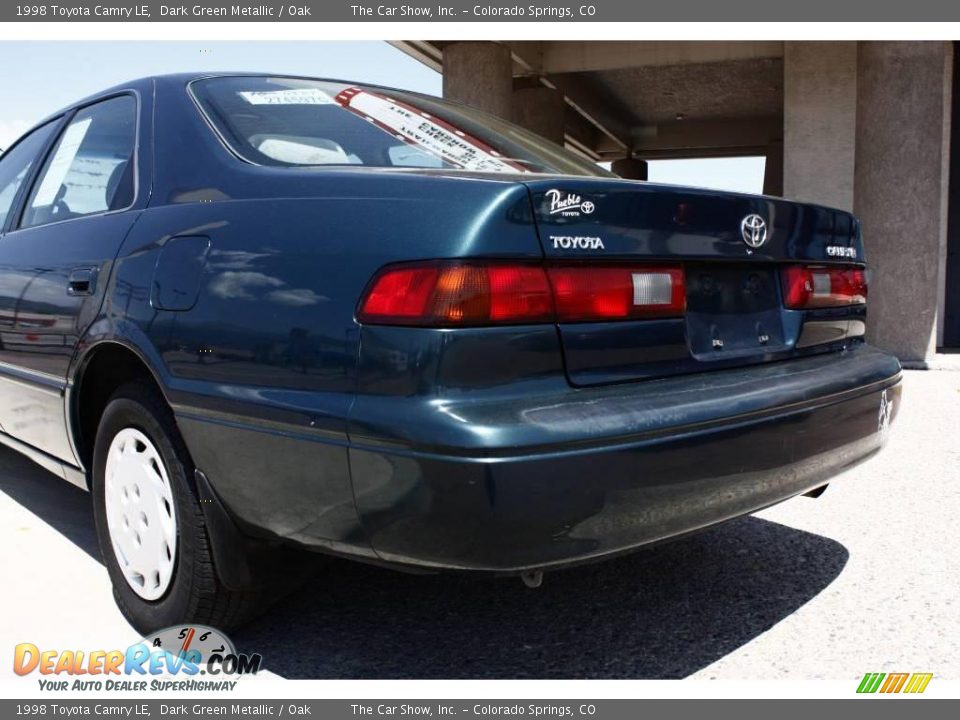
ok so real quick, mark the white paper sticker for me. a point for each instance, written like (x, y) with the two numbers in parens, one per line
(424, 132)
(298, 96)
(61, 163)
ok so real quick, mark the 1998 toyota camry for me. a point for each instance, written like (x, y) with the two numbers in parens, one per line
(254, 312)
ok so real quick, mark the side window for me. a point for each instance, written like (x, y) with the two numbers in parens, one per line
(91, 170)
(16, 163)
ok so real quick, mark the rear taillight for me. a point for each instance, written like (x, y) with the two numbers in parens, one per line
(470, 294)
(806, 287)
(585, 293)
(445, 295)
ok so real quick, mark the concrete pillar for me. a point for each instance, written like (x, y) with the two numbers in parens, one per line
(819, 121)
(630, 169)
(541, 110)
(773, 169)
(949, 305)
(479, 74)
(903, 95)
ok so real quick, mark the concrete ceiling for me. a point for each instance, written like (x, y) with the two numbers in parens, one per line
(624, 98)
(735, 89)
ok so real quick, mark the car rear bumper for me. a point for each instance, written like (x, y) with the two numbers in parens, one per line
(549, 475)
(548, 481)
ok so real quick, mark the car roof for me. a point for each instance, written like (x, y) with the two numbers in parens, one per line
(143, 83)
(146, 82)
(188, 77)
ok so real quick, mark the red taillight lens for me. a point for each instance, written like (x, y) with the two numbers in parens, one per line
(445, 295)
(585, 293)
(460, 294)
(400, 295)
(519, 293)
(816, 287)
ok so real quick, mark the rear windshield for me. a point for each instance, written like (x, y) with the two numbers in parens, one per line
(296, 122)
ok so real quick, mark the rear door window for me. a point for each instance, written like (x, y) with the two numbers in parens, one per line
(91, 169)
(15, 165)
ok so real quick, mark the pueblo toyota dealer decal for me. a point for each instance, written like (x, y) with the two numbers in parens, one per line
(568, 204)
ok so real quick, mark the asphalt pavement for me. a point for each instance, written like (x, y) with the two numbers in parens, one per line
(865, 578)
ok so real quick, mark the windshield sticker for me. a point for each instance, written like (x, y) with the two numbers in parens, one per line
(422, 130)
(297, 96)
(61, 163)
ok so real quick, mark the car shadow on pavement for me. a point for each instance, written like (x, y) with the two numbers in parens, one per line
(663, 612)
(65, 507)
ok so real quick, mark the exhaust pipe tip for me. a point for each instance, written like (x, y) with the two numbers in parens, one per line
(532, 578)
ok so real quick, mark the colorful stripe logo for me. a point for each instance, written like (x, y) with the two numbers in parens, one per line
(914, 683)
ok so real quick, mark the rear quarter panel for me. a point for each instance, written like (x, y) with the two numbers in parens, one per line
(262, 368)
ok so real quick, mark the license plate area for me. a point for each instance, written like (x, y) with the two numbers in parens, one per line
(733, 311)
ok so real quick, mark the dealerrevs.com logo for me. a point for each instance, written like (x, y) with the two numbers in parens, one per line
(193, 657)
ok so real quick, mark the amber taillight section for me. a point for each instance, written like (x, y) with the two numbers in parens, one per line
(452, 295)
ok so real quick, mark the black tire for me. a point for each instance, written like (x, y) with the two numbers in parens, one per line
(195, 593)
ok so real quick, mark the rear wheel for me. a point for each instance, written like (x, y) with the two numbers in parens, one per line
(139, 508)
(150, 526)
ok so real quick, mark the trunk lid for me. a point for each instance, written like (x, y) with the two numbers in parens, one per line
(732, 248)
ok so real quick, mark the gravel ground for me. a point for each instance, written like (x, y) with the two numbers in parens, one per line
(864, 578)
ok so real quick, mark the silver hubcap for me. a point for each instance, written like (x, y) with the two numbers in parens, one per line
(140, 515)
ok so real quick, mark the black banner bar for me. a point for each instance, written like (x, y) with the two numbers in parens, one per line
(744, 11)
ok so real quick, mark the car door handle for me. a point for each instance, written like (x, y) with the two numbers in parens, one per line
(83, 281)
